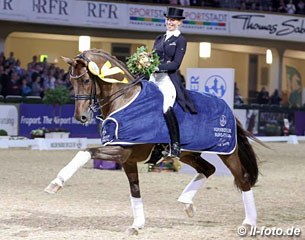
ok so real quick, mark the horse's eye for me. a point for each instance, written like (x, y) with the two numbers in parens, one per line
(86, 81)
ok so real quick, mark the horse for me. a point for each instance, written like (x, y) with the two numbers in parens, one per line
(101, 81)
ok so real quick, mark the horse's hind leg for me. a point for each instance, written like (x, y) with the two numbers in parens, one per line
(131, 171)
(204, 170)
(241, 180)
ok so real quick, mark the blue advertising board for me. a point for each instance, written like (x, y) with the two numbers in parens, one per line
(34, 116)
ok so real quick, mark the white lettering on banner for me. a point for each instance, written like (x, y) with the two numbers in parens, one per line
(206, 16)
(30, 121)
(50, 6)
(7, 5)
(102, 10)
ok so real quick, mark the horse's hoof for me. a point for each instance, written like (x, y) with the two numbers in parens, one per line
(52, 188)
(189, 209)
(132, 231)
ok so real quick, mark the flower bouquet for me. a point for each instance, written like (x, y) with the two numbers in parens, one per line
(143, 62)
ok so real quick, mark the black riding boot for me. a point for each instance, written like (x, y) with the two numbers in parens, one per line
(173, 128)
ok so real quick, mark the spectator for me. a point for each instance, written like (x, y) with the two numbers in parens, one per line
(300, 7)
(196, 2)
(275, 98)
(31, 65)
(238, 99)
(37, 89)
(13, 86)
(290, 7)
(282, 7)
(263, 96)
(185, 2)
(25, 88)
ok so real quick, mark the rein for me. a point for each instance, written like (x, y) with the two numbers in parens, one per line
(120, 92)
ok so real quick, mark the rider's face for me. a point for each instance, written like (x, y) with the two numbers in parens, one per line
(172, 24)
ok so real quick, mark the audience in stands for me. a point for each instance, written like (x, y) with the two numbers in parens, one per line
(283, 6)
(33, 81)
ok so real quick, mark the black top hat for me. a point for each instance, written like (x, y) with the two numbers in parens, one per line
(175, 13)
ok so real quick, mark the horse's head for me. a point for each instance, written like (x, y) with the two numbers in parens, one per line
(95, 75)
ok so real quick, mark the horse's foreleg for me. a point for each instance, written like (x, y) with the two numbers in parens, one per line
(131, 171)
(79, 160)
(108, 153)
(204, 169)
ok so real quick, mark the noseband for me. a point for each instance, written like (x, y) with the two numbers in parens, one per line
(92, 96)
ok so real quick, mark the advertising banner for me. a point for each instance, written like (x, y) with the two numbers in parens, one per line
(268, 26)
(139, 17)
(300, 123)
(9, 119)
(216, 81)
(59, 143)
(34, 116)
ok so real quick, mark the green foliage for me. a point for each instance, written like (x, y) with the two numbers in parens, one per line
(57, 96)
(3, 132)
(143, 62)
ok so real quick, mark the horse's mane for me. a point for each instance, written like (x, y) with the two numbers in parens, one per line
(111, 58)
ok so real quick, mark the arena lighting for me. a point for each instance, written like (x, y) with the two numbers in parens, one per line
(205, 49)
(83, 43)
(269, 56)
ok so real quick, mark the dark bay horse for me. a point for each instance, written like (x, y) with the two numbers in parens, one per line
(100, 80)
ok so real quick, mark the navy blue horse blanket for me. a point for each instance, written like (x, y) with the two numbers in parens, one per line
(141, 120)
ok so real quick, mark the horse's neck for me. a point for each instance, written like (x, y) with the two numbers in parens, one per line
(119, 100)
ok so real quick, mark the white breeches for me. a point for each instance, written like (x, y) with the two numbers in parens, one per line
(167, 88)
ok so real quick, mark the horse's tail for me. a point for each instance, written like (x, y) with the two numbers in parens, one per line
(246, 154)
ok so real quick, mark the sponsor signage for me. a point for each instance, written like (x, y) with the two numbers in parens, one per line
(34, 116)
(216, 81)
(269, 26)
(60, 143)
(9, 119)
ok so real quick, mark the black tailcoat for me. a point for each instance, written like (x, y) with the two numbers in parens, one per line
(171, 53)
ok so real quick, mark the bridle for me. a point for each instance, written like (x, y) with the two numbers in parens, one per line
(93, 102)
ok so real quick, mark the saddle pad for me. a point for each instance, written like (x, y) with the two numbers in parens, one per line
(141, 120)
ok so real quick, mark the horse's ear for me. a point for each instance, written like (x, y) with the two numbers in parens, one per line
(69, 61)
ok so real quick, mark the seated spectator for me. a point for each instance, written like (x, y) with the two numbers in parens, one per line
(13, 85)
(300, 7)
(25, 88)
(290, 7)
(37, 89)
(238, 99)
(275, 98)
(282, 7)
(263, 96)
